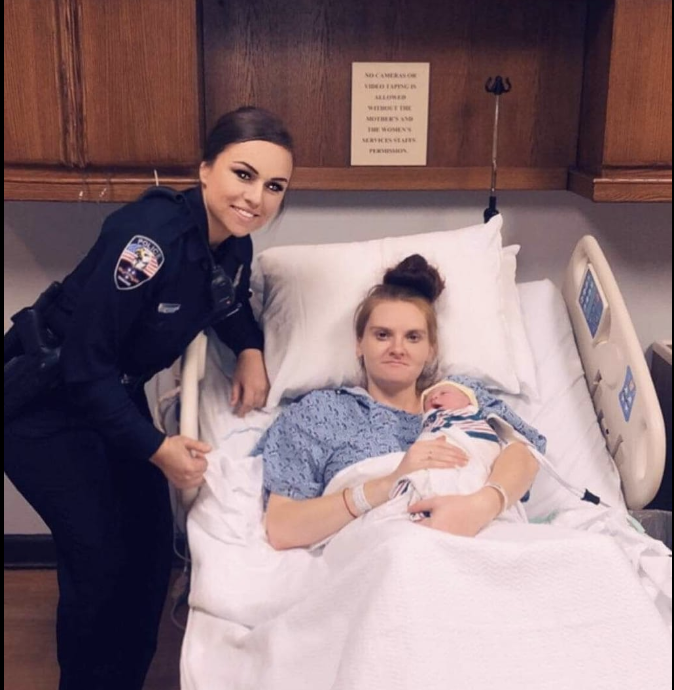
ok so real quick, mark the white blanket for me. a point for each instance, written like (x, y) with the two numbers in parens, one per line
(389, 605)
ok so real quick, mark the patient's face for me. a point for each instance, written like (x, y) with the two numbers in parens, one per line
(395, 345)
(446, 398)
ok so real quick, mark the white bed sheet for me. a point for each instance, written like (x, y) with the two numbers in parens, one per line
(222, 524)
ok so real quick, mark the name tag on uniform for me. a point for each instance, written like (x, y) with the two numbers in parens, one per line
(168, 308)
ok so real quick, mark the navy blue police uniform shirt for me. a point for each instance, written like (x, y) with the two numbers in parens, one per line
(138, 299)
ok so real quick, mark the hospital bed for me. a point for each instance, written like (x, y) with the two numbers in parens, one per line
(596, 405)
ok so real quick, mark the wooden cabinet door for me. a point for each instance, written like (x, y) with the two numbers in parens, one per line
(626, 118)
(625, 136)
(140, 83)
(34, 119)
(639, 108)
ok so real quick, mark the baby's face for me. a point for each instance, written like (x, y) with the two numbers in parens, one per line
(446, 398)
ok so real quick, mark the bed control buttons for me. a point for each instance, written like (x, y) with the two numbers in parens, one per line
(628, 394)
(592, 302)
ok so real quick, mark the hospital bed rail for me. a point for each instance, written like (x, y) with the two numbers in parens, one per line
(191, 375)
(618, 378)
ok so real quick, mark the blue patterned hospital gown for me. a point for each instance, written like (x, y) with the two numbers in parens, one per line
(328, 430)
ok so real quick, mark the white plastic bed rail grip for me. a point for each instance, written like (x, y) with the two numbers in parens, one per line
(616, 371)
(193, 367)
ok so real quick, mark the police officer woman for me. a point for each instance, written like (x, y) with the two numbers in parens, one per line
(83, 450)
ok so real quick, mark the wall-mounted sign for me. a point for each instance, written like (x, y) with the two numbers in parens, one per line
(389, 113)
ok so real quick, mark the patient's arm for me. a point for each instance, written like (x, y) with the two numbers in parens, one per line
(514, 469)
(292, 523)
(304, 522)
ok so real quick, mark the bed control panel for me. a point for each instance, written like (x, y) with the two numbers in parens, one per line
(592, 302)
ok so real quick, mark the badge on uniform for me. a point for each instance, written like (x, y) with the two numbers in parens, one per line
(138, 262)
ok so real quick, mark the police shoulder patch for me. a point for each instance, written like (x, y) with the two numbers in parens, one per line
(138, 263)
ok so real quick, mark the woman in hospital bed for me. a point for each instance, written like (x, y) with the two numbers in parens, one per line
(330, 430)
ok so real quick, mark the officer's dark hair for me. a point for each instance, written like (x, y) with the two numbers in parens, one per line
(245, 124)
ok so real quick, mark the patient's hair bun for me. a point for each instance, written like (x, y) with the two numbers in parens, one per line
(416, 275)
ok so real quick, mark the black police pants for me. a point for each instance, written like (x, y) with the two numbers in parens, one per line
(111, 520)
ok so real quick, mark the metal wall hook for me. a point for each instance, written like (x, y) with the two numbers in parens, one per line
(496, 86)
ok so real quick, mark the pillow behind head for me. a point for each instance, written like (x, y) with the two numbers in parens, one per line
(311, 292)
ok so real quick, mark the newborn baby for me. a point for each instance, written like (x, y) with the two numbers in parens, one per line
(452, 410)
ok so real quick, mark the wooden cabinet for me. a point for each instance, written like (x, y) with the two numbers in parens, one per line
(100, 94)
(295, 58)
(140, 83)
(35, 127)
(625, 138)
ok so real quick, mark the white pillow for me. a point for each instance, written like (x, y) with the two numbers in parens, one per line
(311, 293)
(520, 347)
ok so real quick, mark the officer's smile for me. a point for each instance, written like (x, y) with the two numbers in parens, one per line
(246, 215)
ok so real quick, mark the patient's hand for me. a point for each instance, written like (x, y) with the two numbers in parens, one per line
(437, 453)
(182, 460)
(463, 515)
(250, 385)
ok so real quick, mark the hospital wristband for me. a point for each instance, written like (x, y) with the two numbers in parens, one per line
(359, 501)
(346, 503)
(502, 493)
